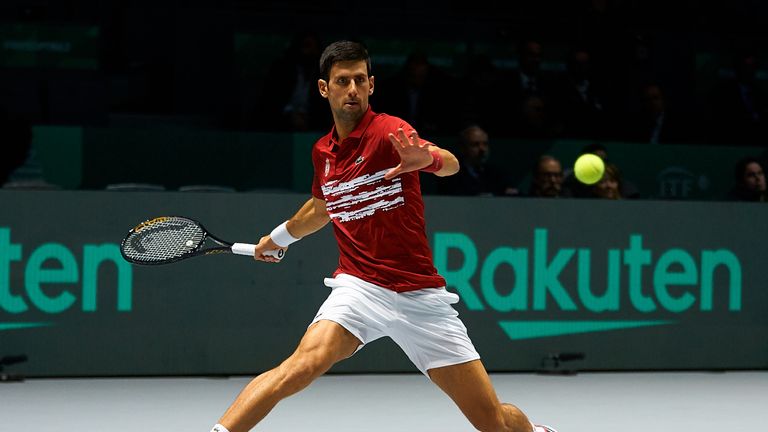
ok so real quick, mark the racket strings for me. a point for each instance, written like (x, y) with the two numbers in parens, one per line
(162, 241)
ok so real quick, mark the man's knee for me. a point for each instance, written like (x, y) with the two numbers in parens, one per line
(299, 370)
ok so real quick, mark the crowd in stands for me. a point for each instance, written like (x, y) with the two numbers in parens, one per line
(578, 96)
(593, 80)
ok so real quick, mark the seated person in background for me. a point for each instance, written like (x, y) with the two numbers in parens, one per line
(547, 179)
(653, 119)
(416, 93)
(573, 188)
(476, 176)
(749, 181)
(609, 187)
(290, 101)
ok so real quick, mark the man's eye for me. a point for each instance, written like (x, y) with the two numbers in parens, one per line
(360, 80)
(341, 80)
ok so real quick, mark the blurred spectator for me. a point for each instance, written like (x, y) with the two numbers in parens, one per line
(417, 93)
(580, 99)
(530, 91)
(480, 100)
(749, 181)
(547, 178)
(740, 105)
(572, 187)
(477, 175)
(290, 100)
(529, 79)
(536, 120)
(16, 136)
(650, 119)
(609, 186)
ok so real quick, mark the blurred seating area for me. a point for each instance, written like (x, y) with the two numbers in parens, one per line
(231, 84)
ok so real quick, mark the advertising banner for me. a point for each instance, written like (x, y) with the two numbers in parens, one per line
(614, 285)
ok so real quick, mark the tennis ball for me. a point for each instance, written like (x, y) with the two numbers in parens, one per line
(589, 168)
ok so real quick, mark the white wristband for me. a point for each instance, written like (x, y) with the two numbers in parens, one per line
(281, 236)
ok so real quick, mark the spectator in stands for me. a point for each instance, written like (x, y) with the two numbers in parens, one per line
(528, 78)
(289, 99)
(575, 189)
(547, 178)
(749, 181)
(650, 119)
(417, 94)
(580, 99)
(536, 120)
(477, 176)
(529, 91)
(740, 105)
(609, 186)
(480, 99)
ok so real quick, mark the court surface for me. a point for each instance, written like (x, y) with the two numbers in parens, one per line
(587, 402)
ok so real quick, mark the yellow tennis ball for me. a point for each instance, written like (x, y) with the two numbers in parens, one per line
(589, 168)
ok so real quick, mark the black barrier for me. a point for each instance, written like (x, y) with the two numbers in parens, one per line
(595, 284)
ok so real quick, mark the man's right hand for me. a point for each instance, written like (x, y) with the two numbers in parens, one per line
(266, 244)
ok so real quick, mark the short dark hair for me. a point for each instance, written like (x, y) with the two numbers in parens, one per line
(343, 50)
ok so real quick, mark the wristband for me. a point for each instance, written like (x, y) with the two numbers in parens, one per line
(281, 237)
(437, 162)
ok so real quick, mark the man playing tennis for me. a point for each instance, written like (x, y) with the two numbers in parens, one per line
(367, 183)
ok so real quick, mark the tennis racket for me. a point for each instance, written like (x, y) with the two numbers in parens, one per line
(168, 239)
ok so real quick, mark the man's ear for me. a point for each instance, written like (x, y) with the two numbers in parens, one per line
(322, 86)
(370, 90)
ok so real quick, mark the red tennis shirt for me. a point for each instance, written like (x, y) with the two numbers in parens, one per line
(379, 224)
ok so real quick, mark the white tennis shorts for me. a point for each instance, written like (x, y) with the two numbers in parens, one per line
(422, 322)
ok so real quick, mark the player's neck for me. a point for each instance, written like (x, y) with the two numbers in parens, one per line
(344, 129)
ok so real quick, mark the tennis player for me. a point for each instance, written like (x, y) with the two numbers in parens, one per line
(367, 183)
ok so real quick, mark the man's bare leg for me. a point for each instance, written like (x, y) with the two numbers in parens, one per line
(324, 344)
(471, 389)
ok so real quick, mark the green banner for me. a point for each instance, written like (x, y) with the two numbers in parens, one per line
(629, 285)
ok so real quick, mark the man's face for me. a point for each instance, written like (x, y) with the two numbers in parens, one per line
(347, 90)
(550, 178)
(754, 177)
(608, 187)
(476, 147)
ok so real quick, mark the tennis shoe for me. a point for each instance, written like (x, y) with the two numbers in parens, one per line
(543, 428)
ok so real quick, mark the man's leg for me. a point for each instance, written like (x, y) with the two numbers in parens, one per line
(471, 389)
(324, 344)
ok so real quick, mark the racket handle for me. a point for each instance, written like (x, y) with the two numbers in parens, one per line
(250, 249)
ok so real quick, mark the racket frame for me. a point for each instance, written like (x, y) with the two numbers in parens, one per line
(224, 247)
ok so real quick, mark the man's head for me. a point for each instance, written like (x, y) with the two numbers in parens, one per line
(345, 80)
(473, 142)
(547, 177)
(749, 174)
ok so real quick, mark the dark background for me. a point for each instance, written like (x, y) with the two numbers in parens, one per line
(177, 62)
